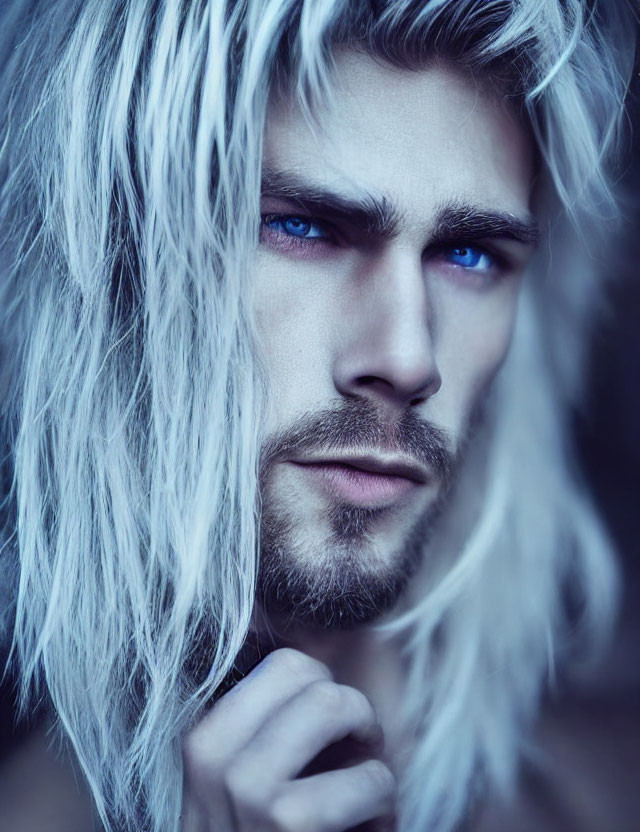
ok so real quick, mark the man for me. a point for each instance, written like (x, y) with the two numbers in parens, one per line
(287, 363)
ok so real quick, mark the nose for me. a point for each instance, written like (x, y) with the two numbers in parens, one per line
(387, 351)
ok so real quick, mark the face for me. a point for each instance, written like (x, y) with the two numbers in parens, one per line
(393, 236)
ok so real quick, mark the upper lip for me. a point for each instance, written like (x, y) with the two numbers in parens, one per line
(389, 466)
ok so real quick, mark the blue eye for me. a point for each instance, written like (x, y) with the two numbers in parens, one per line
(299, 227)
(469, 258)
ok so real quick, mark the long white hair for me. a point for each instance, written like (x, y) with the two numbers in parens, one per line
(132, 399)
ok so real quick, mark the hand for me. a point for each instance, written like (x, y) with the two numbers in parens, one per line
(242, 760)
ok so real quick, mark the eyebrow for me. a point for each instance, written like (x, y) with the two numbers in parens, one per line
(376, 216)
(462, 221)
(372, 214)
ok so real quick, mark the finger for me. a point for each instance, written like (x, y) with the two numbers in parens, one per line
(337, 800)
(319, 715)
(235, 718)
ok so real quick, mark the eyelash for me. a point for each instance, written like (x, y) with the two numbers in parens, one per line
(499, 264)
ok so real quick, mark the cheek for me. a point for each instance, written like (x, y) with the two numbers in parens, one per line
(291, 331)
(489, 345)
(475, 342)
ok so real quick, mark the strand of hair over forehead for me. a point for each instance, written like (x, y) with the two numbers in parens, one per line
(130, 180)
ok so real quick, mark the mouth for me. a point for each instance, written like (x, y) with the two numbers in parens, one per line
(367, 481)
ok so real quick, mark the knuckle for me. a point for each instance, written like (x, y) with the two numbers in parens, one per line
(354, 708)
(358, 702)
(198, 757)
(380, 777)
(238, 786)
(296, 663)
(285, 815)
(326, 695)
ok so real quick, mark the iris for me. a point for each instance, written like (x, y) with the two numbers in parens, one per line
(297, 227)
(469, 258)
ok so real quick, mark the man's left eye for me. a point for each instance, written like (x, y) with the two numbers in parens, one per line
(469, 257)
(298, 227)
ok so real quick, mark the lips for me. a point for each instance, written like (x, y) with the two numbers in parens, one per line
(365, 481)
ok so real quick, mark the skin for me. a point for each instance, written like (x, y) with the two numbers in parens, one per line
(406, 322)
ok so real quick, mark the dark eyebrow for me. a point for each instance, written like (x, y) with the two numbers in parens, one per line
(377, 217)
(369, 213)
(468, 223)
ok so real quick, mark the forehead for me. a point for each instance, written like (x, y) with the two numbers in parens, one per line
(419, 137)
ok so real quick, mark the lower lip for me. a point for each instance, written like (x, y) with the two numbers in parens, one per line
(357, 487)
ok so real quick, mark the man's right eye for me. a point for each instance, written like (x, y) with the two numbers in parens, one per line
(301, 228)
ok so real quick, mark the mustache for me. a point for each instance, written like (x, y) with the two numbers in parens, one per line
(356, 425)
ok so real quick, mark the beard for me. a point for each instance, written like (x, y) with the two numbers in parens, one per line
(340, 581)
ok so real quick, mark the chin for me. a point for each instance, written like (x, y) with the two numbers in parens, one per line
(340, 581)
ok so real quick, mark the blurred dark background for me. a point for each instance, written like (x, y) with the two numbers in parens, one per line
(588, 773)
(588, 779)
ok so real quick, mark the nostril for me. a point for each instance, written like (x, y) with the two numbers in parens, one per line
(379, 385)
(402, 378)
